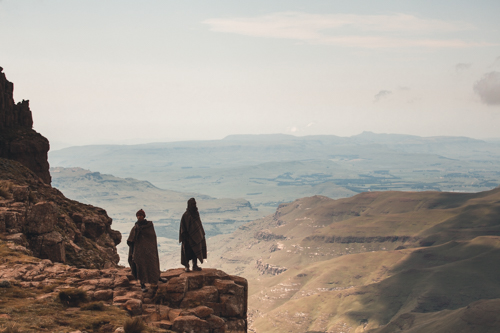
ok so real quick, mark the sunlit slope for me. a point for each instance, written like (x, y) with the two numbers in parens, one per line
(408, 217)
(447, 277)
(368, 262)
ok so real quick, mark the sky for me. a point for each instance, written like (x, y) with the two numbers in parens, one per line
(125, 72)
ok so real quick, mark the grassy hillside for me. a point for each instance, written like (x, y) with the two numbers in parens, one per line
(378, 262)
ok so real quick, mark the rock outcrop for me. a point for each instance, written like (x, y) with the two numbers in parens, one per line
(35, 215)
(265, 268)
(18, 140)
(208, 301)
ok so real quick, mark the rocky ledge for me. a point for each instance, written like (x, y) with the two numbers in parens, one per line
(208, 301)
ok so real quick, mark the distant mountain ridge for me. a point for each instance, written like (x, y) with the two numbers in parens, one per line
(271, 169)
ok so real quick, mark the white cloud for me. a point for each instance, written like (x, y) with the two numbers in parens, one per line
(382, 94)
(488, 88)
(369, 31)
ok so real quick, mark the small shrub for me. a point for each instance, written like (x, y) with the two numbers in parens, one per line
(5, 284)
(94, 306)
(134, 325)
(72, 296)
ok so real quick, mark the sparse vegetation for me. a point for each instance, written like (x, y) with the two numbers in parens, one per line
(134, 325)
(72, 296)
(93, 306)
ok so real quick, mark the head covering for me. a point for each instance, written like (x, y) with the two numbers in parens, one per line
(191, 204)
(191, 208)
(140, 212)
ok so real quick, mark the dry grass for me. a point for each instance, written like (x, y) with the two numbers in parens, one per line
(93, 306)
(8, 255)
(31, 315)
(11, 329)
(27, 314)
(134, 325)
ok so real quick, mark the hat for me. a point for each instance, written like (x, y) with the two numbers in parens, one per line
(140, 212)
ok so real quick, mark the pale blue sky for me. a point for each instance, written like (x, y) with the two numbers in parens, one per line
(130, 71)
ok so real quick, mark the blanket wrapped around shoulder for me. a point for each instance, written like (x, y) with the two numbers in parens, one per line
(143, 252)
(192, 237)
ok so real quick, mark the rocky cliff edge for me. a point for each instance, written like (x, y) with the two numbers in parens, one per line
(34, 214)
(18, 140)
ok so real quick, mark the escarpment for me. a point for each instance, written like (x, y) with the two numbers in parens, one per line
(34, 214)
(18, 140)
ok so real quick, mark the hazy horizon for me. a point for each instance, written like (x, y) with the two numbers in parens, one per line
(138, 141)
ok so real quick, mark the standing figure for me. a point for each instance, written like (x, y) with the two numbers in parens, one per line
(143, 251)
(192, 237)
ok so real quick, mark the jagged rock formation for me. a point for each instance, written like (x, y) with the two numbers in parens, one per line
(38, 216)
(18, 140)
(265, 268)
(209, 301)
(354, 239)
(266, 235)
(33, 213)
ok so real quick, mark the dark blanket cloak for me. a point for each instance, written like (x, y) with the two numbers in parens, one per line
(192, 235)
(143, 252)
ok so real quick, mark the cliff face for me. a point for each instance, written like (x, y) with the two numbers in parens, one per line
(33, 213)
(18, 140)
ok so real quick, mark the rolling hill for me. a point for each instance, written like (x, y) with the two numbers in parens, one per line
(375, 262)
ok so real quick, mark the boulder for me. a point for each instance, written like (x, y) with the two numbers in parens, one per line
(41, 218)
(49, 246)
(133, 306)
(190, 324)
(207, 294)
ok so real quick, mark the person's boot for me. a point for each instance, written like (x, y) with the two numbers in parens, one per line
(195, 266)
(187, 268)
(143, 288)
